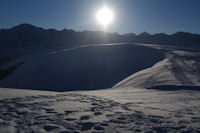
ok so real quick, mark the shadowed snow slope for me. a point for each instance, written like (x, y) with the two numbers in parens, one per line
(179, 68)
(86, 67)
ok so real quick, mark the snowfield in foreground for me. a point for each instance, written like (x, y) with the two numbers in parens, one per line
(111, 110)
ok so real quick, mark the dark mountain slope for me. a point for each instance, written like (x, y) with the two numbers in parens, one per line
(28, 39)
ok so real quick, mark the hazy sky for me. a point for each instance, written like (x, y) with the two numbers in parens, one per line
(135, 16)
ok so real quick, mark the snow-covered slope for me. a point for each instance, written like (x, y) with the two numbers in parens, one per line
(128, 107)
(179, 68)
(86, 67)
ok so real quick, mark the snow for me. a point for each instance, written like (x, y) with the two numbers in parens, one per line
(179, 68)
(161, 98)
(84, 67)
(108, 110)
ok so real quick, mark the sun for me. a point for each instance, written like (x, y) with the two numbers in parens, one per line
(104, 16)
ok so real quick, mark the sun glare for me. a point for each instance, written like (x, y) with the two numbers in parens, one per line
(105, 16)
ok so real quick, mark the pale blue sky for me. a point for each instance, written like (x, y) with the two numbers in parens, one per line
(135, 16)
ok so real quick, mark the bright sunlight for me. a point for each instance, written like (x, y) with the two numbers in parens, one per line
(105, 16)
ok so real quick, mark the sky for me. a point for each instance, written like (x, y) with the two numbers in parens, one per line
(130, 16)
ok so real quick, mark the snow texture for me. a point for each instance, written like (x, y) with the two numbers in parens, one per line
(179, 68)
(110, 110)
(162, 98)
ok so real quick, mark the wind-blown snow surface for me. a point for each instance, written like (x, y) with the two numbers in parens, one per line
(121, 110)
(179, 68)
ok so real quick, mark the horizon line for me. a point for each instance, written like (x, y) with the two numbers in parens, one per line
(137, 34)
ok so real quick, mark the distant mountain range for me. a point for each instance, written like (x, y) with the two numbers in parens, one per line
(29, 39)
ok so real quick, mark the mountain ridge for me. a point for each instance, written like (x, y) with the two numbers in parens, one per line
(27, 38)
